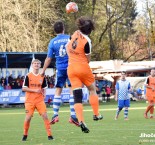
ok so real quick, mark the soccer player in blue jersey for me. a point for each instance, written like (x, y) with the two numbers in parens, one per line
(122, 95)
(57, 49)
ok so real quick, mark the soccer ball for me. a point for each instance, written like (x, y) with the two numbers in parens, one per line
(71, 7)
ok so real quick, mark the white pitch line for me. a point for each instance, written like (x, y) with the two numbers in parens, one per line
(66, 111)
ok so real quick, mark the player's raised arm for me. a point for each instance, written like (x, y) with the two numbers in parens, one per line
(46, 64)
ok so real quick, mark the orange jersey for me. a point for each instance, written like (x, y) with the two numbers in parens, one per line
(79, 71)
(149, 93)
(33, 81)
(75, 48)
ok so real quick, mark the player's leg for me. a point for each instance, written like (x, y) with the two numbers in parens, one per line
(103, 96)
(73, 119)
(126, 105)
(94, 102)
(152, 112)
(79, 76)
(88, 80)
(120, 107)
(108, 97)
(57, 97)
(78, 95)
(79, 109)
(56, 105)
(152, 109)
(151, 105)
(41, 108)
(29, 109)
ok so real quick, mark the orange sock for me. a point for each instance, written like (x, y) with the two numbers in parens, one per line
(152, 110)
(47, 127)
(26, 127)
(148, 108)
(94, 102)
(79, 111)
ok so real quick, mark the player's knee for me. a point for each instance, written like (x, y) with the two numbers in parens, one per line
(126, 108)
(44, 116)
(77, 96)
(120, 108)
(28, 118)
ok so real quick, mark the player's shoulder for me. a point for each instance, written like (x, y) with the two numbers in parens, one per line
(28, 74)
(52, 40)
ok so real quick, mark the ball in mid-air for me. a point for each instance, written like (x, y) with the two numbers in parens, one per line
(71, 7)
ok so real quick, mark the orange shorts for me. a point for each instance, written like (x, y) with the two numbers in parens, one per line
(40, 107)
(150, 95)
(80, 74)
(151, 99)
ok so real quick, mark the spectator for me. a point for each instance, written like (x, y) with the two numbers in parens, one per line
(10, 79)
(97, 88)
(108, 92)
(13, 85)
(18, 85)
(103, 92)
(3, 81)
(22, 80)
(8, 87)
(139, 93)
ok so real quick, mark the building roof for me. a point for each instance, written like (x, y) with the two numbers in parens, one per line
(118, 66)
(113, 68)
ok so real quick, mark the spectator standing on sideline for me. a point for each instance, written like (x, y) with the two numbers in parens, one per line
(150, 93)
(57, 48)
(79, 72)
(103, 92)
(34, 85)
(97, 88)
(8, 87)
(122, 95)
(108, 92)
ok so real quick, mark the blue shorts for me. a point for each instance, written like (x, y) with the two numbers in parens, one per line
(124, 103)
(61, 79)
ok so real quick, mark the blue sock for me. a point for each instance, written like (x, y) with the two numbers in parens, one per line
(126, 113)
(71, 103)
(56, 104)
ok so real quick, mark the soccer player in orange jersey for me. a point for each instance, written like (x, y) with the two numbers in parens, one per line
(79, 72)
(34, 85)
(150, 93)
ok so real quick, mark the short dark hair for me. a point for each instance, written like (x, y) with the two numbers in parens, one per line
(59, 27)
(123, 72)
(85, 25)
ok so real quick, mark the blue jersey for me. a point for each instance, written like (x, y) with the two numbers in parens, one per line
(57, 49)
(123, 87)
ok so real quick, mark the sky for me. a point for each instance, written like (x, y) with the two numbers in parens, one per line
(141, 4)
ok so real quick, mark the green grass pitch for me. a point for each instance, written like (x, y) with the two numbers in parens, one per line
(105, 132)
